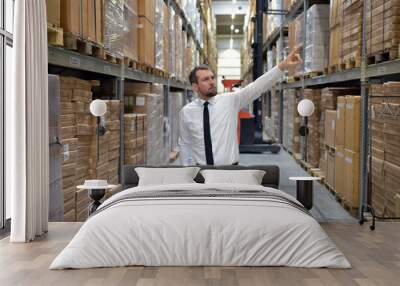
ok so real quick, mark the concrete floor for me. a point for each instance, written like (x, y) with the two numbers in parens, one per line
(325, 209)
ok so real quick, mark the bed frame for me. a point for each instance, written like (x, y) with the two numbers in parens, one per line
(130, 178)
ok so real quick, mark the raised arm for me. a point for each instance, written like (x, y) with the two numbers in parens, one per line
(267, 80)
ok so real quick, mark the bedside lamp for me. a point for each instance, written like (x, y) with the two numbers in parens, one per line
(305, 108)
(98, 108)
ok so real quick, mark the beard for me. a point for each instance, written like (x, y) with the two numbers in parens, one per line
(212, 92)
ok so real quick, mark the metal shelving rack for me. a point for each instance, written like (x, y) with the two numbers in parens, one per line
(66, 60)
(389, 70)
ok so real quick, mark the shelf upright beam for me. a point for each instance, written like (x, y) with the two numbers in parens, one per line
(364, 117)
(280, 90)
(120, 94)
(258, 57)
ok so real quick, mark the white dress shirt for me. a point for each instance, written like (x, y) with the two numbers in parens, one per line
(223, 110)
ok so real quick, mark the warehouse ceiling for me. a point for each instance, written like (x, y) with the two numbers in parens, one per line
(228, 13)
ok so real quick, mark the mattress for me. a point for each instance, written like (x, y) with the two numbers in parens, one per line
(201, 225)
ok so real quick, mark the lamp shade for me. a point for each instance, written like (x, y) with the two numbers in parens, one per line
(98, 107)
(305, 107)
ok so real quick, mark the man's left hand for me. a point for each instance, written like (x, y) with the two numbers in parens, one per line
(293, 59)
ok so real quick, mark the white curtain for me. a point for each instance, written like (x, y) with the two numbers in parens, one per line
(27, 151)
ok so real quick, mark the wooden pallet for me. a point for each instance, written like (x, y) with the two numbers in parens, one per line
(129, 63)
(330, 148)
(293, 78)
(160, 73)
(112, 58)
(331, 69)
(312, 74)
(383, 56)
(55, 35)
(350, 63)
(83, 46)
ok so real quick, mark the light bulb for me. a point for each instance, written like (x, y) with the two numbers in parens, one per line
(305, 107)
(98, 107)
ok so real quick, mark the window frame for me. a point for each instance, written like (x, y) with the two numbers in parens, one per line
(6, 39)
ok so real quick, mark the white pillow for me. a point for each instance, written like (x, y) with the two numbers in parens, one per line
(166, 176)
(248, 177)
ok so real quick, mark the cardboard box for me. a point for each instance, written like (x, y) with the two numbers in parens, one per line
(352, 123)
(131, 35)
(53, 12)
(146, 41)
(140, 103)
(70, 16)
(330, 176)
(133, 88)
(340, 121)
(99, 21)
(323, 161)
(166, 37)
(339, 171)
(146, 8)
(330, 123)
(351, 177)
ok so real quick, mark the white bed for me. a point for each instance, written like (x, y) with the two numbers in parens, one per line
(200, 231)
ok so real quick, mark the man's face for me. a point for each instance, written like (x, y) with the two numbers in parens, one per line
(205, 85)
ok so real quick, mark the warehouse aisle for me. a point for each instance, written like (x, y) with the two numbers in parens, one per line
(326, 208)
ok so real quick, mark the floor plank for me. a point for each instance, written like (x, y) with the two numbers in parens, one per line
(375, 257)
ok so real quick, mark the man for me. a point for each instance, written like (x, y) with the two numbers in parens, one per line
(207, 125)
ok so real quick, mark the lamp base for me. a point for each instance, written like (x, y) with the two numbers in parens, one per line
(96, 195)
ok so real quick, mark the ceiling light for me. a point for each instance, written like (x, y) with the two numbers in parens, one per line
(236, 30)
(232, 27)
(234, 1)
(233, 16)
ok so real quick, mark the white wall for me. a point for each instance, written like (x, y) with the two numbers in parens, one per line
(228, 60)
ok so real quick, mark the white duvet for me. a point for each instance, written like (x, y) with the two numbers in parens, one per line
(200, 231)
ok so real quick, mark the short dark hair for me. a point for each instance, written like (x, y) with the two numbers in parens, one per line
(192, 75)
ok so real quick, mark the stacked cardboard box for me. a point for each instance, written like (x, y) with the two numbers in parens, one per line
(313, 146)
(134, 145)
(385, 138)
(161, 35)
(287, 110)
(150, 101)
(271, 121)
(146, 10)
(172, 43)
(292, 44)
(69, 141)
(329, 119)
(351, 150)
(83, 19)
(176, 101)
(291, 121)
(178, 46)
(113, 126)
(351, 32)
(382, 28)
(131, 29)
(275, 113)
(299, 34)
(335, 33)
(296, 123)
(75, 96)
(317, 31)
(78, 129)
(53, 12)
(274, 21)
(114, 27)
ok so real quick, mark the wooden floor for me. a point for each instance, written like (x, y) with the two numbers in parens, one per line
(375, 257)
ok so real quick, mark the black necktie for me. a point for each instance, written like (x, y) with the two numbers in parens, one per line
(207, 135)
